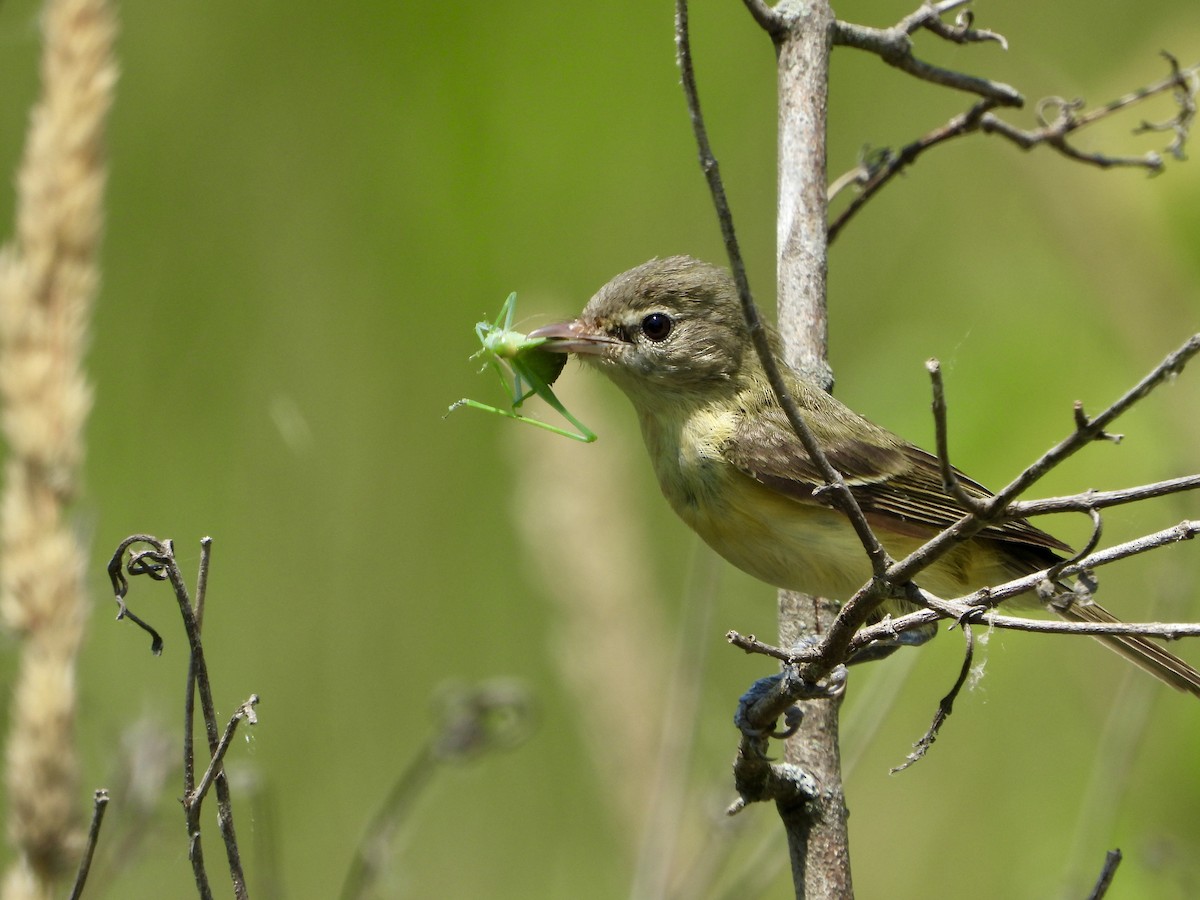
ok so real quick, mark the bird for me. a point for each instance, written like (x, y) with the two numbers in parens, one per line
(671, 335)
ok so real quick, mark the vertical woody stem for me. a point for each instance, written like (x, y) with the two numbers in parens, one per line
(817, 834)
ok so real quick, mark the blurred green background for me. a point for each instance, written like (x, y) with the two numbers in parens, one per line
(312, 204)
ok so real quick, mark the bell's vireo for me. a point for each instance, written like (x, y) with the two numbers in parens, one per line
(671, 334)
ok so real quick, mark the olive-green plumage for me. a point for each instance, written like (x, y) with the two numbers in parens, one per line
(671, 335)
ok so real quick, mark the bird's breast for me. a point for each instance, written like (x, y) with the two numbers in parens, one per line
(686, 451)
(784, 542)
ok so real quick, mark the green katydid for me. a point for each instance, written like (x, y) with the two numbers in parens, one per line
(524, 369)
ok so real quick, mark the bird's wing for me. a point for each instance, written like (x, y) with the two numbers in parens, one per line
(888, 477)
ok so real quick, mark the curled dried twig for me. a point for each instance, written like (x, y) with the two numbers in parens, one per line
(1093, 541)
(158, 562)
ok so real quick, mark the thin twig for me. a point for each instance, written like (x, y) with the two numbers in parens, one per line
(245, 711)
(886, 165)
(974, 607)
(945, 705)
(751, 644)
(202, 579)
(950, 481)
(121, 587)
(192, 809)
(1112, 859)
(961, 32)
(1087, 549)
(189, 697)
(1187, 85)
(1091, 429)
(1090, 500)
(209, 714)
(99, 805)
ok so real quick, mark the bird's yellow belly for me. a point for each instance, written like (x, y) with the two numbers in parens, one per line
(785, 543)
(805, 547)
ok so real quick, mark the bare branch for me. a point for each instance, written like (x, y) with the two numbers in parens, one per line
(1091, 500)
(1081, 421)
(888, 164)
(202, 579)
(1168, 631)
(816, 832)
(1093, 542)
(894, 46)
(1086, 431)
(976, 607)
(841, 638)
(1054, 133)
(1187, 86)
(1058, 120)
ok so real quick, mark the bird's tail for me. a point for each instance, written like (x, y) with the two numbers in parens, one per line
(1143, 652)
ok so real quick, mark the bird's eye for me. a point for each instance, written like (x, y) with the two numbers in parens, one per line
(656, 326)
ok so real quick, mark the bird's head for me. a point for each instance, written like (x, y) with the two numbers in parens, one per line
(670, 328)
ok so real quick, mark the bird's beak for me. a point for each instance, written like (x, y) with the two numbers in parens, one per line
(573, 337)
